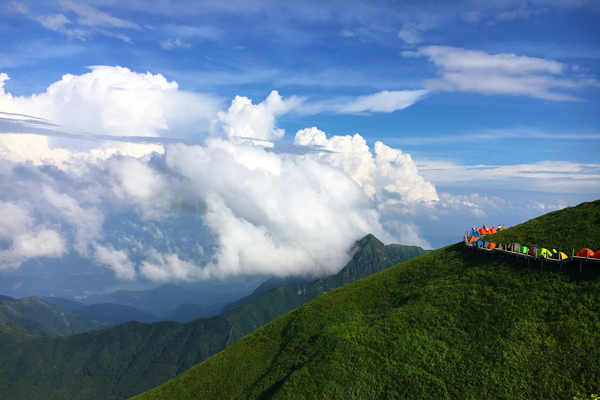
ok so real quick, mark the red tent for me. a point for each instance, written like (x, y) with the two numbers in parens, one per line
(491, 245)
(597, 254)
(585, 253)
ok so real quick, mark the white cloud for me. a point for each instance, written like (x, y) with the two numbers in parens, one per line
(91, 16)
(346, 33)
(188, 31)
(268, 212)
(25, 239)
(171, 44)
(411, 32)
(391, 176)
(476, 71)
(257, 121)
(548, 176)
(53, 22)
(20, 7)
(384, 101)
(116, 101)
(117, 260)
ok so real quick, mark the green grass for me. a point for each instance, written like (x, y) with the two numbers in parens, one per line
(120, 362)
(564, 230)
(446, 325)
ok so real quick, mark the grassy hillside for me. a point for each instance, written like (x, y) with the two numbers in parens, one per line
(564, 230)
(446, 325)
(119, 362)
(44, 319)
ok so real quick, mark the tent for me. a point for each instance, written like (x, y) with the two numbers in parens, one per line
(559, 255)
(523, 250)
(515, 247)
(485, 244)
(597, 254)
(481, 231)
(532, 251)
(491, 245)
(585, 253)
(492, 231)
(543, 253)
(479, 243)
(473, 238)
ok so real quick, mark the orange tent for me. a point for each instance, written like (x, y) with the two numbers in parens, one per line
(597, 254)
(493, 231)
(491, 245)
(585, 253)
(473, 239)
(481, 230)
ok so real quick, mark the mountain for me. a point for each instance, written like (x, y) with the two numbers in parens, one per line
(446, 325)
(66, 303)
(123, 361)
(270, 284)
(105, 313)
(44, 319)
(163, 299)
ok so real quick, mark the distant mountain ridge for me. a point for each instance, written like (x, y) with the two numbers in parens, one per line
(126, 360)
(164, 299)
(44, 319)
(105, 313)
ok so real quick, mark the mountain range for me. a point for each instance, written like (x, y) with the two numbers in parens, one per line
(128, 359)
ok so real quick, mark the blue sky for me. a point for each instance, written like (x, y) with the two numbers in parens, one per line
(496, 102)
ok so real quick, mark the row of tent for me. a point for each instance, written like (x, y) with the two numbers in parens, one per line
(538, 252)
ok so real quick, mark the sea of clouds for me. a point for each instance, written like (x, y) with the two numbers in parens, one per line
(95, 145)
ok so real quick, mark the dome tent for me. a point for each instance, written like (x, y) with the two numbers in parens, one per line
(585, 253)
(543, 253)
(559, 255)
(523, 250)
(532, 251)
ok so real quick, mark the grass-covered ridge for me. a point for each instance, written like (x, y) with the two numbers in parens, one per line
(563, 230)
(446, 325)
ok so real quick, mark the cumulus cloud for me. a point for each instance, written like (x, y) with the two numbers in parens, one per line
(477, 71)
(268, 212)
(391, 177)
(116, 101)
(25, 239)
(256, 121)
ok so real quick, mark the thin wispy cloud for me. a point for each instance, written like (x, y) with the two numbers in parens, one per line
(90, 16)
(479, 72)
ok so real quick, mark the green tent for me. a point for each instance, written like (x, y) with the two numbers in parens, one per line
(524, 250)
(543, 253)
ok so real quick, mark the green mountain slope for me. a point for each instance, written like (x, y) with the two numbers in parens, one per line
(44, 319)
(119, 362)
(446, 325)
(563, 230)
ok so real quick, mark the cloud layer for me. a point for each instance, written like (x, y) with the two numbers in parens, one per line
(267, 212)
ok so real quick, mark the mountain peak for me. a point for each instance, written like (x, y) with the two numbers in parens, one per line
(369, 243)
